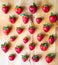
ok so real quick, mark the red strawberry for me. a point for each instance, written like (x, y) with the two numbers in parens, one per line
(40, 37)
(6, 30)
(53, 18)
(25, 39)
(35, 58)
(18, 49)
(12, 19)
(51, 39)
(33, 8)
(12, 57)
(38, 20)
(24, 58)
(25, 18)
(46, 27)
(19, 30)
(45, 8)
(12, 38)
(44, 46)
(5, 47)
(31, 29)
(31, 46)
(18, 9)
(49, 57)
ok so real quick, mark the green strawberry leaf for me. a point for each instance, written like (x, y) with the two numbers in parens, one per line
(35, 56)
(24, 56)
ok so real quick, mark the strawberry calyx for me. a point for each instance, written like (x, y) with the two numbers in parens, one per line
(4, 5)
(18, 6)
(44, 44)
(6, 27)
(12, 54)
(25, 15)
(51, 55)
(52, 14)
(13, 37)
(13, 16)
(45, 5)
(51, 36)
(46, 24)
(19, 28)
(18, 46)
(34, 4)
(5, 44)
(31, 44)
(35, 56)
(31, 27)
(24, 56)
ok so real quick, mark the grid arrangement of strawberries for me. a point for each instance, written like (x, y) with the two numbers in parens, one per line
(25, 18)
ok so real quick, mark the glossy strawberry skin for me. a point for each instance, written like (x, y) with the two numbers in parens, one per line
(46, 28)
(12, 38)
(39, 37)
(18, 50)
(44, 47)
(12, 19)
(25, 19)
(5, 9)
(6, 30)
(18, 10)
(19, 31)
(45, 8)
(38, 20)
(33, 8)
(11, 57)
(51, 40)
(35, 59)
(53, 18)
(25, 40)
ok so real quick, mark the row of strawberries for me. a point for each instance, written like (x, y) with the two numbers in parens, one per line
(32, 9)
(49, 57)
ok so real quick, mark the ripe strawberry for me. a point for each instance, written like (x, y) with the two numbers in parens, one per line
(25, 39)
(35, 58)
(45, 8)
(12, 19)
(46, 27)
(25, 18)
(18, 49)
(53, 18)
(51, 39)
(49, 57)
(12, 38)
(38, 20)
(6, 30)
(5, 47)
(33, 8)
(44, 46)
(5, 8)
(31, 29)
(31, 46)
(19, 30)
(12, 57)
(40, 37)
(24, 58)
(18, 9)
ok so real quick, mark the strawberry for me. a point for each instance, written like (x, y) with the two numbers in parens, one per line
(25, 18)
(18, 49)
(45, 8)
(38, 20)
(6, 30)
(25, 39)
(12, 19)
(51, 39)
(19, 30)
(24, 58)
(31, 46)
(5, 8)
(40, 37)
(5, 47)
(31, 29)
(12, 57)
(46, 27)
(33, 8)
(49, 57)
(44, 46)
(35, 58)
(12, 38)
(18, 9)
(53, 18)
